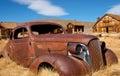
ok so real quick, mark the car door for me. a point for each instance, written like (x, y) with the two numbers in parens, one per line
(21, 45)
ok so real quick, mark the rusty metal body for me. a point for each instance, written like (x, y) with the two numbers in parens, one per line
(34, 43)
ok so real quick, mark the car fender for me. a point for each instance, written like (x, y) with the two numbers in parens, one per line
(3, 53)
(109, 57)
(64, 65)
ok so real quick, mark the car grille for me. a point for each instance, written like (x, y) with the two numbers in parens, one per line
(95, 52)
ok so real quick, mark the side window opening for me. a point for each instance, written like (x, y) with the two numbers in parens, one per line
(21, 33)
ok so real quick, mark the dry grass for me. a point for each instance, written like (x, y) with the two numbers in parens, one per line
(113, 70)
(10, 68)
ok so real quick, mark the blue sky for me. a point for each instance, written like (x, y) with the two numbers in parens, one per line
(80, 10)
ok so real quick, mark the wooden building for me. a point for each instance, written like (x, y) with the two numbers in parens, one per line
(108, 23)
(75, 27)
(5, 28)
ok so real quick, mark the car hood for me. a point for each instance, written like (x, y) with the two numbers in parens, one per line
(82, 38)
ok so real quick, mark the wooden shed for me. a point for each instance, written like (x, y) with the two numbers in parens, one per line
(75, 27)
(5, 28)
(108, 23)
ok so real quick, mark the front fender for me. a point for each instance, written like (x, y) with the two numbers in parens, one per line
(64, 65)
(109, 57)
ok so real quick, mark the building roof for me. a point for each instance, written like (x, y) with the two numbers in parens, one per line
(117, 17)
(0, 25)
(8, 25)
(76, 23)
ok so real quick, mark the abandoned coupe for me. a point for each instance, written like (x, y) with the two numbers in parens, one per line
(34, 44)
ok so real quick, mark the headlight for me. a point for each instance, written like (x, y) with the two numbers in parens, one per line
(75, 48)
(81, 51)
(78, 48)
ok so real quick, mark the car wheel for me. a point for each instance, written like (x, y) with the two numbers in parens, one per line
(45, 69)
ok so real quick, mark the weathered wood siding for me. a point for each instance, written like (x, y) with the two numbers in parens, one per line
(107, 24)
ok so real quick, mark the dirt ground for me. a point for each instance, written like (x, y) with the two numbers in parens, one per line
(10, 68)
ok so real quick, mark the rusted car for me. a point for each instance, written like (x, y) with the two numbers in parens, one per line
(34, 44)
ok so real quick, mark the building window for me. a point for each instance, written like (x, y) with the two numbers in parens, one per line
(70, 26)
(106, 16)
(113, 20)
(101, 21)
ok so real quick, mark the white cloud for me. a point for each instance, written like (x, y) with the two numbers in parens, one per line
(43, 7)
(114, 10)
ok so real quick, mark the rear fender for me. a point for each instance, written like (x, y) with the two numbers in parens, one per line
(4, 54)
(65, 66)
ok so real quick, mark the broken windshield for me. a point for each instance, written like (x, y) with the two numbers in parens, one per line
(46, 29)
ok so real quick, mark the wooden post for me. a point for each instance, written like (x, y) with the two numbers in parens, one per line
(73, 31)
